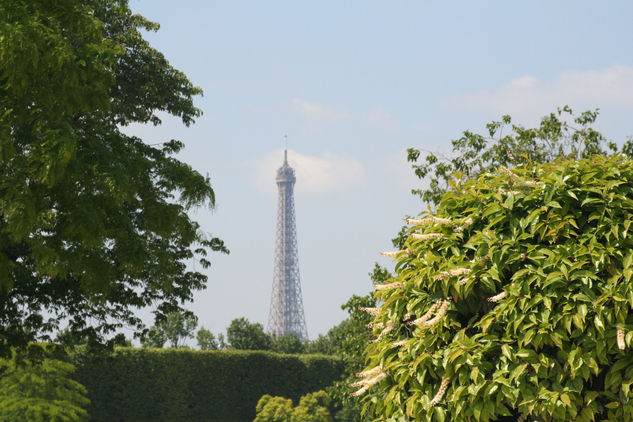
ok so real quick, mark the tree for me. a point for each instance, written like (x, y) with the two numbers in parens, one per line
(244, 335)
(288, 343)
(154, 338)
(206, 339)
(175, 327)
(221, 343)
(350, 339)
(41, 392)
(313, 407)
(560, 134)
(70, 338)
(512, 301)
(93, 222)
(273, 409)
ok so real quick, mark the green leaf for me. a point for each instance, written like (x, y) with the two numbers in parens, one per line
(565, 399)
(506, 351)
(598, 323)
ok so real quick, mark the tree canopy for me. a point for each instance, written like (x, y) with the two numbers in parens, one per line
(206, 340)
(313, 407)
(175, 327)
(245, 335)
(41, 392)
(512, 301)
(93, 222)
(560, 134)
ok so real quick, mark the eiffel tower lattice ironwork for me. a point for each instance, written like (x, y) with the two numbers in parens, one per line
(286, 305)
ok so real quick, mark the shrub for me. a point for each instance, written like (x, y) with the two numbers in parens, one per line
(313, 407)
(165, 385)
(512, 302)
(40, 392)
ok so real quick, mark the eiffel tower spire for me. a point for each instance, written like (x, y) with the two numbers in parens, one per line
(286, 305)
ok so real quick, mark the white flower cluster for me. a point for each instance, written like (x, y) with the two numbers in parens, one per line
(440, 221)
(425, 320)
(370, 311)
(497, 298)
(393, 254)
(452, 273)
(389, 286)
(620, 339)
(371, 376)
(426, 236)
(440, 393)
(429, 219)
(388, 328)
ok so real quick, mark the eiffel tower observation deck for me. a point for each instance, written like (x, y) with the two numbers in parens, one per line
(286, 305)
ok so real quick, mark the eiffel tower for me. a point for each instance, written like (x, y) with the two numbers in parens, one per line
(286, 305)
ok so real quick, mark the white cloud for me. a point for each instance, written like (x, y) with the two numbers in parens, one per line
(318, 114)
(528, 96)
(313, 111)
(315, 175)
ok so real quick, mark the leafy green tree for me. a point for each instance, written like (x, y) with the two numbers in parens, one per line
(313, 407)
(206, 340)
(67, 337)
(221, 343)
(93, 222)
(273, 409)
(176, 327)
(70, 338)
(323, 344)
(289, 343)
(41, 392)
(350, 339)
(512, 301)
(560, 134)
(244, 335)
(155, 337)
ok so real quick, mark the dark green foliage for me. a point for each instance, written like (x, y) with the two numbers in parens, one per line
(313, 407)
(245, 335)
(287, 344)
(176, 385)
(533, 271)
(154, 338)
(41, 392)
(206, 340)
(93, 223)
(175, 327)
(349, 340)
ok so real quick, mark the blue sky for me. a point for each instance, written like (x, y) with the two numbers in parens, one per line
(353, 84)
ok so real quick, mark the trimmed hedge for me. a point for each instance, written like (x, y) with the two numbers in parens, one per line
(175, 385)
